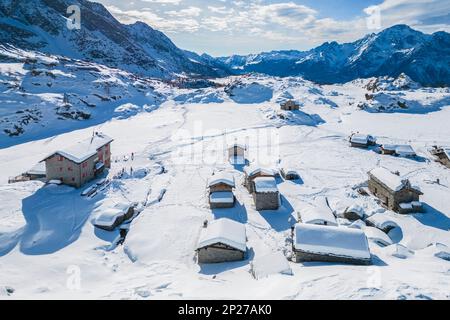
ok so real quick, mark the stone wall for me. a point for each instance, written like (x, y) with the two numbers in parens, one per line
(302, 256)
(266, 201)
(219, 253)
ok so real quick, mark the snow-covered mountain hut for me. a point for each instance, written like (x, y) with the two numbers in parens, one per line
(398, 150)
(236, 153)
(266, 194)
(220, 190)
(330, 244)
(358, 140)
(253, 172)
(395, 193)
(81, 162)
(290, 105)
(319, 216)
(222, 240)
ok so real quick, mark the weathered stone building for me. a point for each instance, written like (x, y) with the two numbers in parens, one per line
(290, 105)
(81, 162)
(222, 240)
(395, 193)
(265, 194)
(362, 141)
(330, 244)
(236, 153)
(253, 172)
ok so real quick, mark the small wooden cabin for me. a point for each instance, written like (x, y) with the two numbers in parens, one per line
(442, 155)
(395, 193)
(222, 240)
(330, 244)
(362, 141)
(220, 190)
(290, 105)
(266, 194)
(253, 172)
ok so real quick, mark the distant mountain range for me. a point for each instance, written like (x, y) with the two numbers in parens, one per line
(399, 49)
(41, 25)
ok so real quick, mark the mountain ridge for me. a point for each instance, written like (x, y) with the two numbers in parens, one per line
(391, 52)
(140, 49)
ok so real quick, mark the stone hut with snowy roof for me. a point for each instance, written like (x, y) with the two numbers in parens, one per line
(220, 190)
(395, 193)
(398, 150)
(253, 172)
(236, 153)
(358, 140)
(290, 105)
(442, 155)
(330, 244)
(80, 163)
(266, 194)
(222, 240)
(313, 215)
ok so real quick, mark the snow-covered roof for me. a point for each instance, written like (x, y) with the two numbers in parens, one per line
(85, 149)
(360, 139)
(356, 209)
(239, 145)
(447, 152)
(389, 147)
(405, 150)
(108, 217)
(335, 241)
(382, 221)
(313, 215)
(265, 185)
(221, 197)
(221, 177)
(38, 169)
(290, 171)
(225, 231)
(377, 236)
(254, 170)
(269, 264)
(392, 181)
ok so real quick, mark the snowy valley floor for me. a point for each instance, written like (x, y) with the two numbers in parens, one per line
(47, 238)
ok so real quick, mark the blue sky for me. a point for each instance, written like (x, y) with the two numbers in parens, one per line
(225, 27)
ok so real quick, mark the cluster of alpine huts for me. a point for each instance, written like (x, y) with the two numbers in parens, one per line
(394, 192)
(315, 237)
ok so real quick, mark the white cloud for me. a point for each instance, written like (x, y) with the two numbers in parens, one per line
(145, 15)
(174, 2)
(187, 12)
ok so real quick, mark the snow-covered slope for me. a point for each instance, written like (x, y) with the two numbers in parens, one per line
(43, 95)
(50, 249)
(102, 39)
(399, 49)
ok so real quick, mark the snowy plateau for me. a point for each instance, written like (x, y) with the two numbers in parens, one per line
(49, 248)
